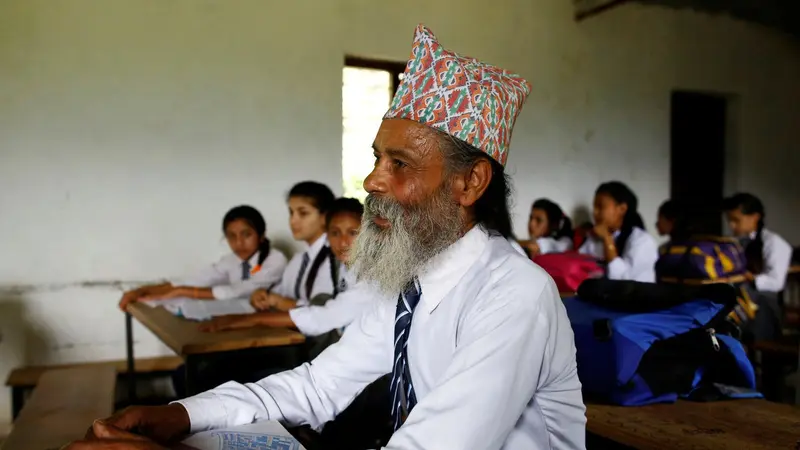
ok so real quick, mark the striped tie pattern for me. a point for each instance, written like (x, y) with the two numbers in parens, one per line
(299, 280)
(401, 389)
(245, 270)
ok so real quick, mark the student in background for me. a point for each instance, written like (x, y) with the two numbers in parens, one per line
(549, 228)
(768, 254)
(344, 222)
(619, 237)
(252, 264)
(308, 274)
(669, 214)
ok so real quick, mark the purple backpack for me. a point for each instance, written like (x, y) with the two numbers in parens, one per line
(702, 259)
(705, 260)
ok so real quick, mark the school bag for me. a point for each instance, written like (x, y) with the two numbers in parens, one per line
(642, 343)
(314, 345)
(580, 234)
(705, 260)
(569, 269)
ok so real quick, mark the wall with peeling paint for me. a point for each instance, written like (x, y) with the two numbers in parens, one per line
(127, 129)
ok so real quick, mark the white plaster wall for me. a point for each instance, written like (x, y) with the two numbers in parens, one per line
(128, 128)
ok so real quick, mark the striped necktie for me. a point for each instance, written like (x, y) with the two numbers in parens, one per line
(300, 274)
(245, 270)
(402, 390)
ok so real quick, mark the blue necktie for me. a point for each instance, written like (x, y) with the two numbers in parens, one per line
(402, 390)
(300, 274)
(245, 270)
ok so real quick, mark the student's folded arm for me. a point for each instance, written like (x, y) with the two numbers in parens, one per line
(777, 259)
(637, 263)
(241, 290)
(313, 393)
(267, 277)
(336, 313)
(563, 245)
(494, 374)
(277, 319)
(210, 275)
(546, 245)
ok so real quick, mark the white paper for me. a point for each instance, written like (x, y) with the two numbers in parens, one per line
(206, 309)
(267, 435)
(172, 305)
(202, 309)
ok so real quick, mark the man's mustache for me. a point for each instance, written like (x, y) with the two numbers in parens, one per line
(384, 207)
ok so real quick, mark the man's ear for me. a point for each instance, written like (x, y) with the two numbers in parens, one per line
(471, 185)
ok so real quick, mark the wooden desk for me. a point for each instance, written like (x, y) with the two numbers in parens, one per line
(794, 269)
(198, 348)
(184, 337)
(739, 424)
(62, 406)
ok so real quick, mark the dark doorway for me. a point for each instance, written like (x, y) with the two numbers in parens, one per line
(698, 156)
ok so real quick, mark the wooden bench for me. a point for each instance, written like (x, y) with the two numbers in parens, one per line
(23, 379)
(737, 424)
(63, 406)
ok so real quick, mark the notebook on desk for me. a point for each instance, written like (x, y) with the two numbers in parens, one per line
(203, 309)
(266, 435)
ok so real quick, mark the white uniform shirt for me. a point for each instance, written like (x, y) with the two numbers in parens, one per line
(323, 283)
(777, 259)
(515, 245)
(553, 245)
(348, 305)
(225, 276)
(635, 262)
(491, 355)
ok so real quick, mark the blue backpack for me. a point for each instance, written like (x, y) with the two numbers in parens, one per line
(643, 343)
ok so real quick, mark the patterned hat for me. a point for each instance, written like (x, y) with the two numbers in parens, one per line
(461, 96)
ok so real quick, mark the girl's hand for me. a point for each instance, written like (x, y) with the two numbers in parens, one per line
(173, 292)
(533, 248)
(601, 231)
(282, 303)
(223, 323)
(261, 300)
(129, 297)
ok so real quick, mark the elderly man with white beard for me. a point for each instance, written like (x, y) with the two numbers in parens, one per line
(474, 335)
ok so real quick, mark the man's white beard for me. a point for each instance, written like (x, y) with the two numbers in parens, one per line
(392, 257)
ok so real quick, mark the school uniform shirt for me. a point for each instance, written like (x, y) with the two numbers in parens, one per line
(777, 259)
(515, 245)
(337, 313)
(553, 245)
(227, 279)
(491, 355)
(296, 272)
(635, 262)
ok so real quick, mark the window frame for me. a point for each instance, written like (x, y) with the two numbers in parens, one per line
(395, 69)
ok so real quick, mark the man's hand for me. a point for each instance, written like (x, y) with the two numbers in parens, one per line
(108, 437)
(262, 300)
(164, 424)
(222, 323)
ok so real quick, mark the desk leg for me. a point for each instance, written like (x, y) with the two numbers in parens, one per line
(797, 382)
(192, 374)
(131, 376)
(17, 400)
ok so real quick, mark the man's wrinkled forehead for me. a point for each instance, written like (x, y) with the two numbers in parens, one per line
(408, 137)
